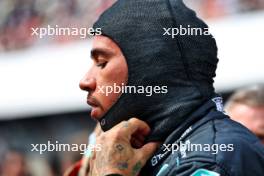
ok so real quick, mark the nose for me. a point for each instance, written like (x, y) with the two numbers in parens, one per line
(87, 83)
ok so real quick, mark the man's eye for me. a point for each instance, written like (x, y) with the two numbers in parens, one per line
(101, 65)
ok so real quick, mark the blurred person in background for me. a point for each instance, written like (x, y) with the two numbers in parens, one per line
(246, 106)
(14, 164)
(17, 26)
(82, 167)
(251, 5)
(222, 8)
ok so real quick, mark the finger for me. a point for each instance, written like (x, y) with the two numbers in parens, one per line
(97, 129)
(136, 143)
(139, 136)
(133, 127)
(138, 127)
(148, 150)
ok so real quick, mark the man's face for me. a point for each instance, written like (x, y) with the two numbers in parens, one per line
(251, 117)
(109, 68)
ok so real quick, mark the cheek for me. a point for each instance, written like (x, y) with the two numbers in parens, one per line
(110, 100)
(116, 73)
(113, 73)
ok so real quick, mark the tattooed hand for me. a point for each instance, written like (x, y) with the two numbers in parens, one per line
(122, 150)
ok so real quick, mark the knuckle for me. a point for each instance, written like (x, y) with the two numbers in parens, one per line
(101, 137)
(116, 135)
(124, 123)
(134, 120)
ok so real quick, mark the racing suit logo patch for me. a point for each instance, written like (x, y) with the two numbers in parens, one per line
(204, 172)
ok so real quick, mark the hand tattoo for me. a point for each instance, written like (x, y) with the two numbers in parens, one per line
(137, 167)
(119, 147)
(122, 165)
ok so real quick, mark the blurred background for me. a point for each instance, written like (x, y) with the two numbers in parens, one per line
(39, 95)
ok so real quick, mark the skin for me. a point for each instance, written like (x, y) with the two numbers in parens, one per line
(13, 164)
(109, 68)
(249, 116)
(122, 148)
(117, 156)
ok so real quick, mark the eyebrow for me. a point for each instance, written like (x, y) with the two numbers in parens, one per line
(101, 52)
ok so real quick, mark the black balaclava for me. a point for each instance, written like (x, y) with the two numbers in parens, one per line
(185, 64)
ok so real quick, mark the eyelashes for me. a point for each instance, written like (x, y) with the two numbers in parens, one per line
(101, 65)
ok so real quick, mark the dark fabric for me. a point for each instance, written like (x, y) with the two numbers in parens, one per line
(209, 126)
(186, 64)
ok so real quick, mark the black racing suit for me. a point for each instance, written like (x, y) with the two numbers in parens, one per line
(211, 144)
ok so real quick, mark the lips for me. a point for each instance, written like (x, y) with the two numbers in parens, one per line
(92, 102)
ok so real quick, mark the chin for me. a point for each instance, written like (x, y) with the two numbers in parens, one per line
(96, 113)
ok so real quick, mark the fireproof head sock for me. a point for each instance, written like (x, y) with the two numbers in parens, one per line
(185, 64)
